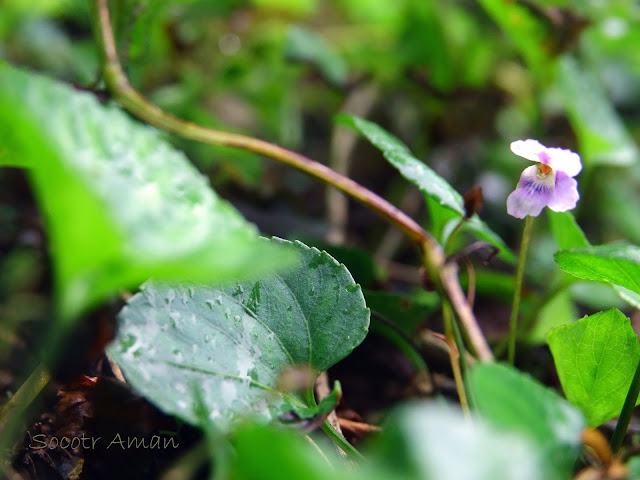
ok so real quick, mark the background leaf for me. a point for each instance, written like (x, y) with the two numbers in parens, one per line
(566, 231)
(558, 311)
(235, 341)
(513, 401)
(121, 205)
(601, 134)
(523, 28)
(307, 46)
(596, 358)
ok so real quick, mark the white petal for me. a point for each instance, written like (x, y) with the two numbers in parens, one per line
(564, 161)
(529, 149)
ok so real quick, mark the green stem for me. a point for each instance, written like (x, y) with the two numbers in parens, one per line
(27, 392)
(331, 432)
(449, 331)
(626, 412)
(513, 322)
(12, 412)
(462, 358)
(340, 441)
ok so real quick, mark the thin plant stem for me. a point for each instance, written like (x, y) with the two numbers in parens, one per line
(340, 441)
(626, 412)
(447, 317)
(14, 410)
(522, 258)
(27, 392)
(458, 299)
(464, 367)
(454, 233)
(332, 433)
(433, 254)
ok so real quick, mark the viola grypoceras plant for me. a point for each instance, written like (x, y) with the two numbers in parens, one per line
(548, 183)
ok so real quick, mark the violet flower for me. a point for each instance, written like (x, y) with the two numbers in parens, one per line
(548, 183)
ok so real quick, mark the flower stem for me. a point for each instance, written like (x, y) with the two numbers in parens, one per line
(626, 412)
(513, 322)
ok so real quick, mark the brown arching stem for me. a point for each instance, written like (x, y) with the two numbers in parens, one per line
(433, 255)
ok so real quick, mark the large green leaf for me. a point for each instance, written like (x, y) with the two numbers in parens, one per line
(596, 358)
(514, 402)
(121, 205)
(601, 133)
(614, 264)
(439, 195)
(235, 341)
(428, 441)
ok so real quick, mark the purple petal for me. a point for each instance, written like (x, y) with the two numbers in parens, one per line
(565, 195)
(563, 160)
(529, 149)
(532, 195)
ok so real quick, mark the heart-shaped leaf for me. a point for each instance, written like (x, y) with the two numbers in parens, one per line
(596, 358)
(235, 341)
(121, 205)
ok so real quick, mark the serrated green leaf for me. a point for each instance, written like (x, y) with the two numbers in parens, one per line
(566, 231)
(306, 45)
(444, 202)
(614, 264)
(121, 205)
(596, 358)
(427, 441)
(601, 133)
(513, 401)
(235, 340)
